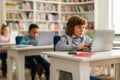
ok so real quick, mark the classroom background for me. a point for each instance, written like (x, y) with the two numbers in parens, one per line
(52, 15)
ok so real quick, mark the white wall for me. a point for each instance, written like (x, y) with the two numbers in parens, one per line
(2, 14)
(102, 14)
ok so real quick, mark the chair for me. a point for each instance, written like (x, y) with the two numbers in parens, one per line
(18, 39)
(63, 74)
(55, 40)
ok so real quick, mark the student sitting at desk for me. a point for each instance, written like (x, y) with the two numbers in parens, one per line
(75, 38)
(4, 38)
(35, 60)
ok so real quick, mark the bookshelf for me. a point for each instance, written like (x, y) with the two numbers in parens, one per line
(47, 14)
(0, 13)
(84, 8)
(50, 15)
(18, 14)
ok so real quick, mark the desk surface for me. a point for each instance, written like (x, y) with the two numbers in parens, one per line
(20, 53)
(5, 44)
(96, 56)
(32, 47)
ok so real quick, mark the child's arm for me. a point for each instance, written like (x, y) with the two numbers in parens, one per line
(34, 42)
(87, 45)
(28, 41)
(63, 45)
(25, 41)
(9, 40)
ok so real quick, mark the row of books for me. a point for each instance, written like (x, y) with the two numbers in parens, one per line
(77, 8)
(16, 26)
(51, 26)
(43, 27)
(76, 0)
(89, 27)
(52, 0)
(22, 15)
(43, 16)
(27, 5)
(65, 18)
(47, 7)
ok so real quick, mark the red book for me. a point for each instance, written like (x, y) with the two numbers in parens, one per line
(85, 54)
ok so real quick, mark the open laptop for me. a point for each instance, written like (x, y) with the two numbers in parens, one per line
(102, 40)
(46, 38)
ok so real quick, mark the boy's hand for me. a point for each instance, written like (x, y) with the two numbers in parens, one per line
(32, 42)
(81, 47)
(87, 45)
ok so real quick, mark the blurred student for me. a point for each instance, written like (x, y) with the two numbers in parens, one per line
(75, 38)
(35, 61)
(4, 38)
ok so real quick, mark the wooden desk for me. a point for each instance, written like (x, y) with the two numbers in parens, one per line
(80, 66)
(18, 55)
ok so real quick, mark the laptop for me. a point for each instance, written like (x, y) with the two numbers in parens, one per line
(46, 38)
(102, 40)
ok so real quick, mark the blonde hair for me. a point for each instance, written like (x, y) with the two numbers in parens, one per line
(2, 28)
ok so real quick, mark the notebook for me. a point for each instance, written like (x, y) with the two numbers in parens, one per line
(102, 40)
(46, 38)
(85, 54)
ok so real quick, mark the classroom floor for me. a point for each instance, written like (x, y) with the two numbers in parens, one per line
(27, 76)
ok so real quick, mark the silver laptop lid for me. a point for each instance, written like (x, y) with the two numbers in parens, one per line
(46, 38)
(102, 40)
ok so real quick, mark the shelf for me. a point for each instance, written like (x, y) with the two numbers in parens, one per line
(25, 20)
(19, 10)
(85, 12)
(77, 3)
(38, 11)
(49, 15)
(48, 2)
(47, 21)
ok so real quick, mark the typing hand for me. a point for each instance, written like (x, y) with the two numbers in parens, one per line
(32, 42)
(87, 45)
(82, 47)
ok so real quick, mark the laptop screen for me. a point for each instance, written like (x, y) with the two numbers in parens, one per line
(102, 40)
(46, 38)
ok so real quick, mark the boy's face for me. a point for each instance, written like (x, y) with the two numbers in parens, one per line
(34, 32)
(79, 30)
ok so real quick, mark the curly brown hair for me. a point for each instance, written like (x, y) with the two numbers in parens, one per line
(74, 21)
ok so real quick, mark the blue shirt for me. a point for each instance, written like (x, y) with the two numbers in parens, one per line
(27, 39)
